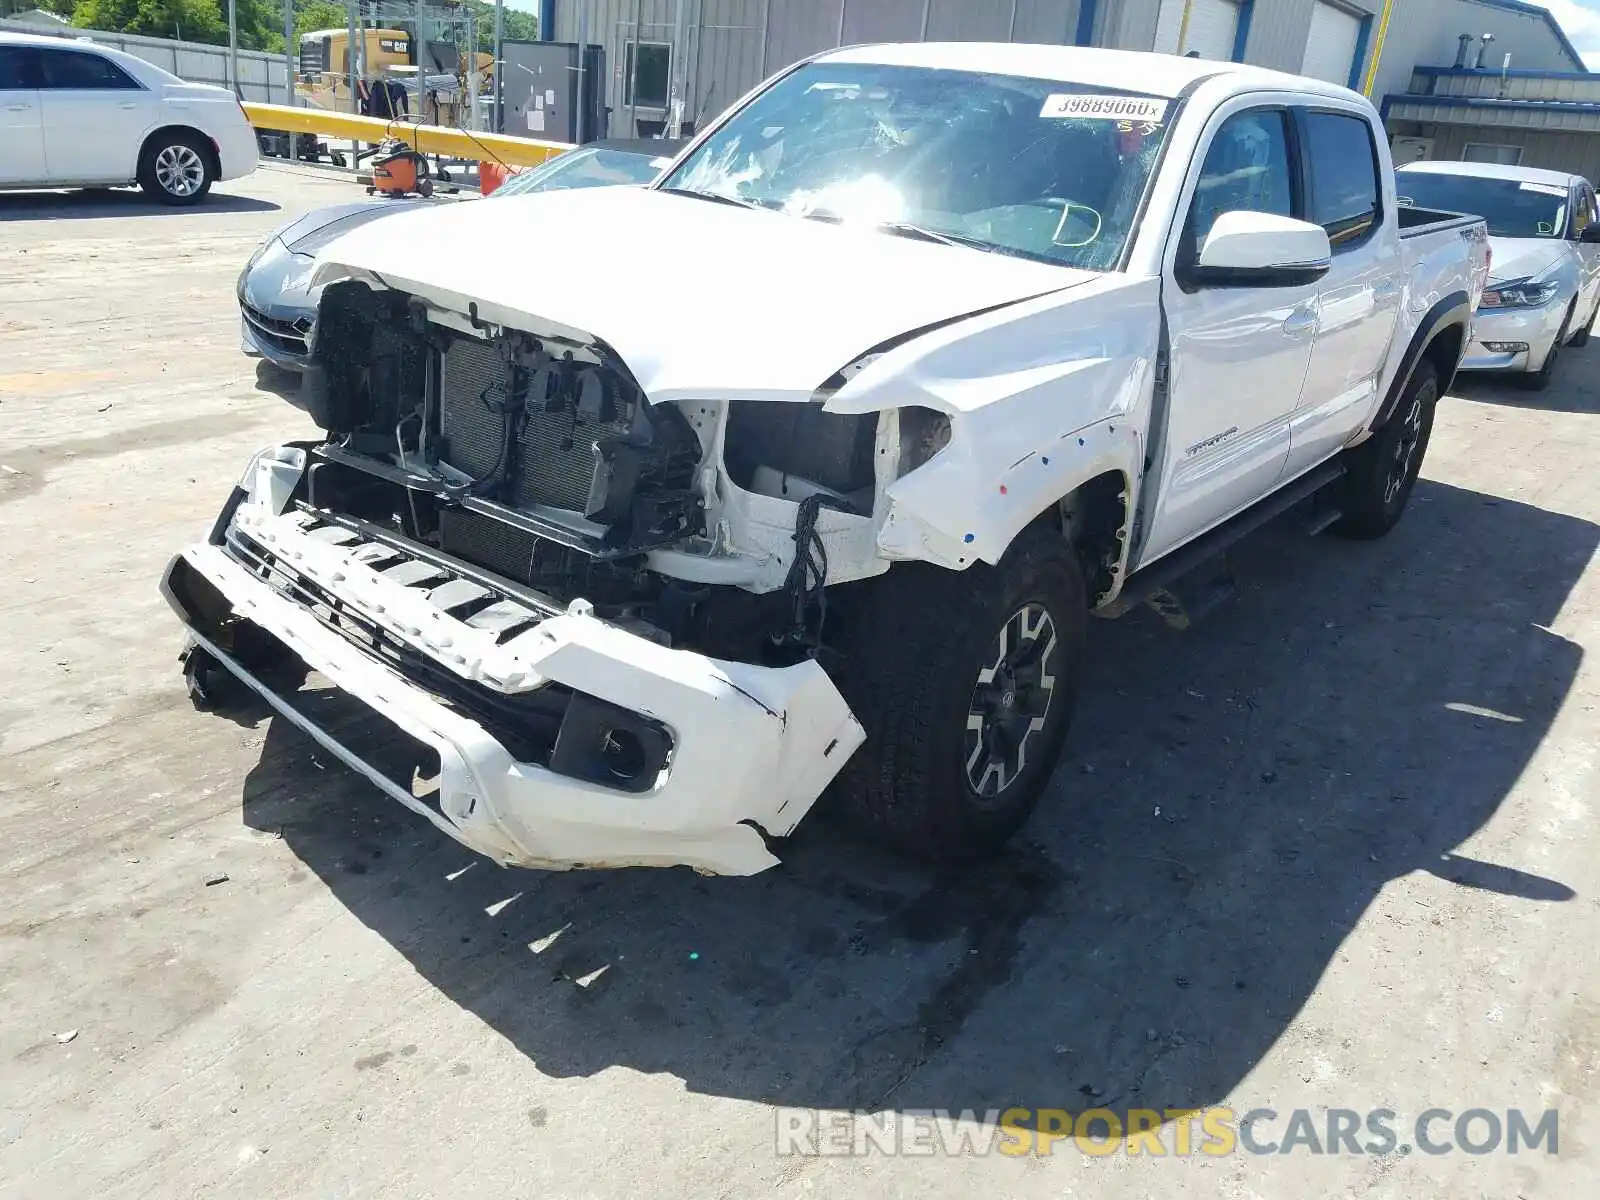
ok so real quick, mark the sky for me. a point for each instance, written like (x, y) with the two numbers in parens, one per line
(1581, 20)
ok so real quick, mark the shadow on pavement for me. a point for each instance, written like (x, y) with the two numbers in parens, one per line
(1575, 367)
(116, 202)
(1232, 800)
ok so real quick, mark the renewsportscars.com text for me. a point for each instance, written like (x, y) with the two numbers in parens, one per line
(1171, 1132)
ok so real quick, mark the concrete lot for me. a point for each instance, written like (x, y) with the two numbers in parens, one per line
(1332, 848)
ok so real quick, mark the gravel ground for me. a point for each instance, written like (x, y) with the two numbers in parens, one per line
(1331, 848)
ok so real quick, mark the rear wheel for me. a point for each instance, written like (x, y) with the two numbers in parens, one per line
(965, 682)
(1380, 473)
(175, 168)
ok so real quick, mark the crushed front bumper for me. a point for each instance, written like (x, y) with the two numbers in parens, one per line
(747, 746)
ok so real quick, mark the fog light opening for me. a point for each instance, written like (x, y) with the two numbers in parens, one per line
(1506, 347)
(623, 755)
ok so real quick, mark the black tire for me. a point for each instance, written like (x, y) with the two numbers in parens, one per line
(916, 647)
(1381, 472)
(211, 686)
(176, 168)
(1537, 381)
(1581, 338)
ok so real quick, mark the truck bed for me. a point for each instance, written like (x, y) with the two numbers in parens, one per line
(1414, 221)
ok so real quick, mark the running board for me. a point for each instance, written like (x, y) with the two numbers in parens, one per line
(1154, 583)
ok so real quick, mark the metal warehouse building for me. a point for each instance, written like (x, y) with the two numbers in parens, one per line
(690, 59)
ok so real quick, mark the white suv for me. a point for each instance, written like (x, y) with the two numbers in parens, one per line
(73, 114)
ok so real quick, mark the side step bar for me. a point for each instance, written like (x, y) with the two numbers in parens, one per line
(1147, 584)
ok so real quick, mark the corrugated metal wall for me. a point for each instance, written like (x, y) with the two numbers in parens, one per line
(1576, 152)
(1051, 22)
(1278, 29)
(883, 21)
(1424, 33)
(724, 54)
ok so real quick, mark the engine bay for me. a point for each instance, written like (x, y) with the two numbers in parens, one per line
(538, 458)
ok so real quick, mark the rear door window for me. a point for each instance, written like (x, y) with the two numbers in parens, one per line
(78, 71)
(1343, 166)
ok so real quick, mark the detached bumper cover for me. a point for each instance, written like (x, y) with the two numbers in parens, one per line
(1536, 327)
(749, 745)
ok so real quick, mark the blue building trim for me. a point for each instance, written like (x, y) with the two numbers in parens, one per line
(1560, 106)
(1356, 67)
(1241, 31)
(547, 20)
(1084, 34)
(1514, 74)
(1533, 10)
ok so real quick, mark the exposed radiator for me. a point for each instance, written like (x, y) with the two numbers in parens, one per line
(556, 458)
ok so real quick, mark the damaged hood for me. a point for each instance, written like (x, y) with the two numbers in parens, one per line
(701, 300)
(1523, 258)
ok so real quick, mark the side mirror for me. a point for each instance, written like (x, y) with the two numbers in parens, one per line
(1252, 249)
(1591, 233)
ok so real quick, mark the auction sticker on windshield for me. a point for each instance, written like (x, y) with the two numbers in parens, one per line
(1544, 189)
(1149, 109)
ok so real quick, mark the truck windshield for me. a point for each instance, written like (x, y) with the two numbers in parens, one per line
(1034, 168)
(1512, 208)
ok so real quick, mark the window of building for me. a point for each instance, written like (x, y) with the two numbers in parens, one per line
(1246, 169)
(89, 72)
(1344, 175)
(646, 73)
(1491, 152)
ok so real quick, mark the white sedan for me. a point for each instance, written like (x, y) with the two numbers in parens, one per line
(74, 114)
(1544, 232)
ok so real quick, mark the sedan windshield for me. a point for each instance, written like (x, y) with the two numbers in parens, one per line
(1511, 208)
(588, 166)
(1034, 168)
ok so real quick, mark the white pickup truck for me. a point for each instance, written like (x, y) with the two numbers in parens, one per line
(645, 515)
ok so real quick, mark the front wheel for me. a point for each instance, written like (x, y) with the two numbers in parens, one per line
(965, 682)
(1581, 338)
(1537, 381)
(1380, 473)
(176, 169)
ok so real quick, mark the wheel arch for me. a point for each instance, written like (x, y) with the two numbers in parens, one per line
(1096, 519)
(1441, 337)
(208, 148)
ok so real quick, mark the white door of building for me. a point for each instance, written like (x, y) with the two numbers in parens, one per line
(1213, 25)
(1331, 44)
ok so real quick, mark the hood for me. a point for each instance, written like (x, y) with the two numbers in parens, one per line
(1523, 258)
(336, 220)
(701, 300)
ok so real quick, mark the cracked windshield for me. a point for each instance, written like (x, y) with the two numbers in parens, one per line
(1034, 168)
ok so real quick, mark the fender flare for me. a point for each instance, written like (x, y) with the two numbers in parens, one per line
(1453, 309)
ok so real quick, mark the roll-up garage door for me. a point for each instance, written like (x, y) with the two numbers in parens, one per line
(1331, 44)
(1213, 24)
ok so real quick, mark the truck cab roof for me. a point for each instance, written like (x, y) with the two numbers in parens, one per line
(1138, 71)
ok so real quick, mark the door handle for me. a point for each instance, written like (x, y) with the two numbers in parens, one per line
(18, 107)
(1300, 322)
(129, 104)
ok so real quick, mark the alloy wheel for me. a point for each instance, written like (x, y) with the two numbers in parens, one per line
(1010, 701)
(179, 170)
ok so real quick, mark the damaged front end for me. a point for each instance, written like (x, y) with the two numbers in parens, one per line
(589, 628)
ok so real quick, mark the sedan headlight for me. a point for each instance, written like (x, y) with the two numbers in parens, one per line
(1521, 294)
